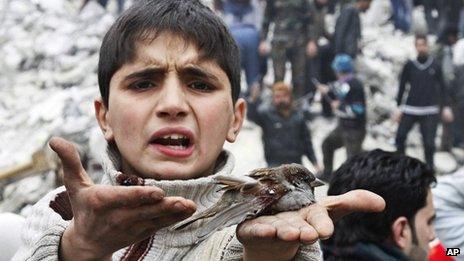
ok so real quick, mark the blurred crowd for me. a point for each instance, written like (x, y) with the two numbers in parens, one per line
(291, 37)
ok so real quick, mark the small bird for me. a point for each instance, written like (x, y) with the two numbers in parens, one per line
(264, 191)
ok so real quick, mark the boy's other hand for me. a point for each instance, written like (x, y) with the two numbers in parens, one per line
(278, 237)
(107, 218)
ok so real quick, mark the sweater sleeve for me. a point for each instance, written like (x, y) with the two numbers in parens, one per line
(42, 232)
(404, 78)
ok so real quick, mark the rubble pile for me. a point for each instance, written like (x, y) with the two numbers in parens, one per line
(47, 83)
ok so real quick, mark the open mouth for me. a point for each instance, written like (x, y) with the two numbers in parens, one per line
(174, 141)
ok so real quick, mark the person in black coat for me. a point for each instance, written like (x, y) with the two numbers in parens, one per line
(348, 28)
(286, 137)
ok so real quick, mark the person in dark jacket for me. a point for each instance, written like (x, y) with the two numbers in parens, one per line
(444, 49)
(426, 97)
(347, 99)
(348, 28)
(286, 137)
(292, 41)
(404, 229)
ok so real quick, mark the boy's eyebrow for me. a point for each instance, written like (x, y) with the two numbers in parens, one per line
(198, 72)
(146, 73)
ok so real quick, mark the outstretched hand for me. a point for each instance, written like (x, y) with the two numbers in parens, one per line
(107, 218)
(278, 237)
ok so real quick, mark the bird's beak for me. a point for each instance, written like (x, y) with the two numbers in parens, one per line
(316, 183)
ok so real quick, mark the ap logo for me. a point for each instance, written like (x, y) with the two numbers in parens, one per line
(453, 251)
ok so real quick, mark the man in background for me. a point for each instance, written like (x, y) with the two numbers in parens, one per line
(427, 96)
(286, 137)
(347, 99)
(404, 229)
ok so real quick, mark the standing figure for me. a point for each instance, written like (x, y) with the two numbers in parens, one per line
(316, 53)
(426, 96)
(242, 17)
(347, 99)
(348, 28)
(292, 39)
(444, 55)
(286, 137)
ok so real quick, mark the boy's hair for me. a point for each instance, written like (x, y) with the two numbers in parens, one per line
(420, 37)
(147, 19)
(402, 181)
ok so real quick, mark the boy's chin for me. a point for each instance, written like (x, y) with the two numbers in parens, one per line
(173, 171)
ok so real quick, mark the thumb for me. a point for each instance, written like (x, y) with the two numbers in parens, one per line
(358, 200)
(75, 176)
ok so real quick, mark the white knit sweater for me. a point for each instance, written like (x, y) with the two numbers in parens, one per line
(44, 227)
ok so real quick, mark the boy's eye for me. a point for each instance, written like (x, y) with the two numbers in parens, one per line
(201, 86)
(142, 85)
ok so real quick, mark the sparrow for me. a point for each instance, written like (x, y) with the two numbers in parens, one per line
(264, 191)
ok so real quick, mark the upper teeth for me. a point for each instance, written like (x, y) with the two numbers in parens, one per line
(174, 136)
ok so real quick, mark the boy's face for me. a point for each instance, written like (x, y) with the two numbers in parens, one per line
(169, 111)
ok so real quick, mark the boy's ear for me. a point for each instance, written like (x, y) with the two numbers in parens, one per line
(101, 113)
(237, 121)
(401, 233)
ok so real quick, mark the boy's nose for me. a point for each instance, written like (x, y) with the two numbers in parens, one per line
(172, 103)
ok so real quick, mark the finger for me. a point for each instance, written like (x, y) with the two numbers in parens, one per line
(308, 235)
(249, 231)
(318, 218)
(164, 209)
(353, 201)
(286, 231)
(75, 176)
(111, 197)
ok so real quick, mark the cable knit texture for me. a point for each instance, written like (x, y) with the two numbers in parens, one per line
(44, 227)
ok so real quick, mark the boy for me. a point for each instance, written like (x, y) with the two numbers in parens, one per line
(169, 81)
(286, 137)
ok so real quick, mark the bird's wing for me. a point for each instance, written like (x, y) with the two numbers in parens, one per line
(241, 183)
(267, 175)
(232, 209)
(234, 214)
